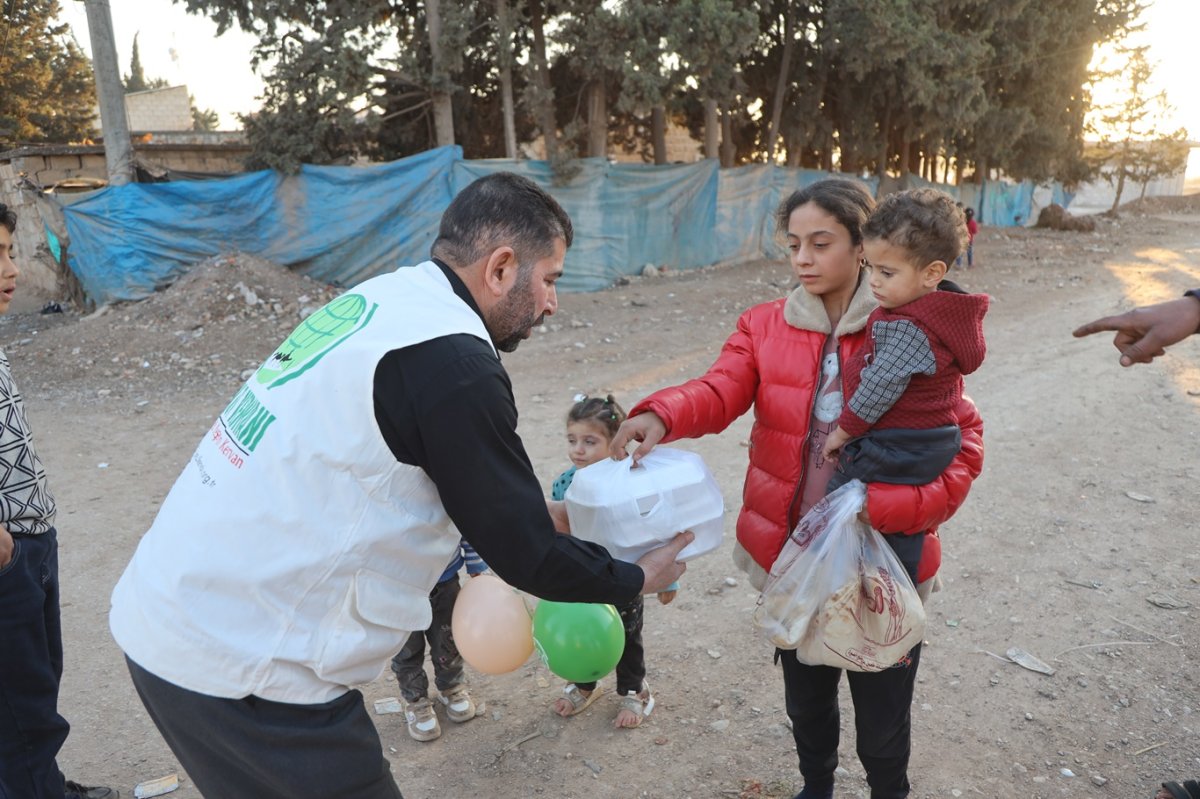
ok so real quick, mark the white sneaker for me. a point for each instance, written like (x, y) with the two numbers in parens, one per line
(422, 721)
(459, 705)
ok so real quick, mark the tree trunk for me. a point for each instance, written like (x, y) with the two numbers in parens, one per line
(791, 146)
(905, 156)
(658, 133)
(728, 149)
(781, 84)
(545, 110)
(712, 134)
(1120, 187)
(505, 58)
(885, 133)
(597, 119)
(443, 110)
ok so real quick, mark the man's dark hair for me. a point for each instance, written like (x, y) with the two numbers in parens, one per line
(497, 210)
(8, 218)
(847, 201)
(925, 222)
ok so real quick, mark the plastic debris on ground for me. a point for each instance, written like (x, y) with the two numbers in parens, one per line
(157, 787)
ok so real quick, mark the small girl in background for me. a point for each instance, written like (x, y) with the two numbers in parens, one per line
(591, 424)
(972, 229)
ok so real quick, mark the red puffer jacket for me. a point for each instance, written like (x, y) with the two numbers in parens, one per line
(773, 362)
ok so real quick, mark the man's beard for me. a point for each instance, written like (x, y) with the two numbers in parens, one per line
(513, 317)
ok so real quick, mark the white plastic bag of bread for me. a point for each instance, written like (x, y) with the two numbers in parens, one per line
(837, 594)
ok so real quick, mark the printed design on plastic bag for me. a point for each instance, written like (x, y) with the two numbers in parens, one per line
(837, 594)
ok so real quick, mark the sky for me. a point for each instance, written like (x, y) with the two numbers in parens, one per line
(185, 49)
(181, 48)
(1170, 33)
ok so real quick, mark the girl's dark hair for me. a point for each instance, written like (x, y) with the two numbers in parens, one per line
(847, 201)
(604, 412)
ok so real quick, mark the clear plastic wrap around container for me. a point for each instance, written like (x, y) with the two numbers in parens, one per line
(632, 510)
(837, 593)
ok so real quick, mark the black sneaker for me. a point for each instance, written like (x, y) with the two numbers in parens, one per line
(76, 791)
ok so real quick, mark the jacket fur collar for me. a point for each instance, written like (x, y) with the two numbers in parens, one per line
(806, 311)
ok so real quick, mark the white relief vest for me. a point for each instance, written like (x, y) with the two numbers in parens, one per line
(294, 554)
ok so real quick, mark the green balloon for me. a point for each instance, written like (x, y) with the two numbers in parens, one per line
(578, 642)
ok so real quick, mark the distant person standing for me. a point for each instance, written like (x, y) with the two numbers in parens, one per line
(972, 229)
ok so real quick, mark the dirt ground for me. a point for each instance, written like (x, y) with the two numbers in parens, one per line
(1080, 530)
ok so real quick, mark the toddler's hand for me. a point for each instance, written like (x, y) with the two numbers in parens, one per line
(833, 444)
(666, 597)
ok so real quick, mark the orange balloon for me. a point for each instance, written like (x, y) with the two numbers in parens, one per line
(491, 626)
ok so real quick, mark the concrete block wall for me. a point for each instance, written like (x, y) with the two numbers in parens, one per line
(40, 278)
(22, 171)
(159, 109)
(168, 109)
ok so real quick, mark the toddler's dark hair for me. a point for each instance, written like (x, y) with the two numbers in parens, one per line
(602, 411)
(926, 222)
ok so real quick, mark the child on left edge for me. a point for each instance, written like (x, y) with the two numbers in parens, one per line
(409, 663)
(591, 425)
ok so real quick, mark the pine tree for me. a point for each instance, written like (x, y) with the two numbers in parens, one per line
(135, 81)
(203, 119)
(48, 92)
(1134, 144)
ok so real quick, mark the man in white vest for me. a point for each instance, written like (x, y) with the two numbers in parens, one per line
(296, 551)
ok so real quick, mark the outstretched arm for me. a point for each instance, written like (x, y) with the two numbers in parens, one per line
(1143, 334)
(706, 404)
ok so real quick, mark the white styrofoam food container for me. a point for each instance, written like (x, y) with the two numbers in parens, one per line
(632, 510)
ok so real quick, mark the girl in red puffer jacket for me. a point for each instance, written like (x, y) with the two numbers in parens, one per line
(785, 360)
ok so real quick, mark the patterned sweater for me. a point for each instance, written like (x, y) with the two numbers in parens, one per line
(910, 373)
(26, 506)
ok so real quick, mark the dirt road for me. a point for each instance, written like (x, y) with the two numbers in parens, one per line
(1083, 519)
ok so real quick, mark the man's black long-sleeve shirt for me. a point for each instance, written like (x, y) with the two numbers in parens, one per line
(446, 406)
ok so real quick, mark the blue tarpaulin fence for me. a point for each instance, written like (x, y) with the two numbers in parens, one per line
(344, 224)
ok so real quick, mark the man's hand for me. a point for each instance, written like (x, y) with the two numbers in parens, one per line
(659, 565)
(6, 547)
(647, 428)
(1143, 334)
(558, 512)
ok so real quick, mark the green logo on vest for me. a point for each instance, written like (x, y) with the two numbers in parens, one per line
(246, 420)
(316, 336)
